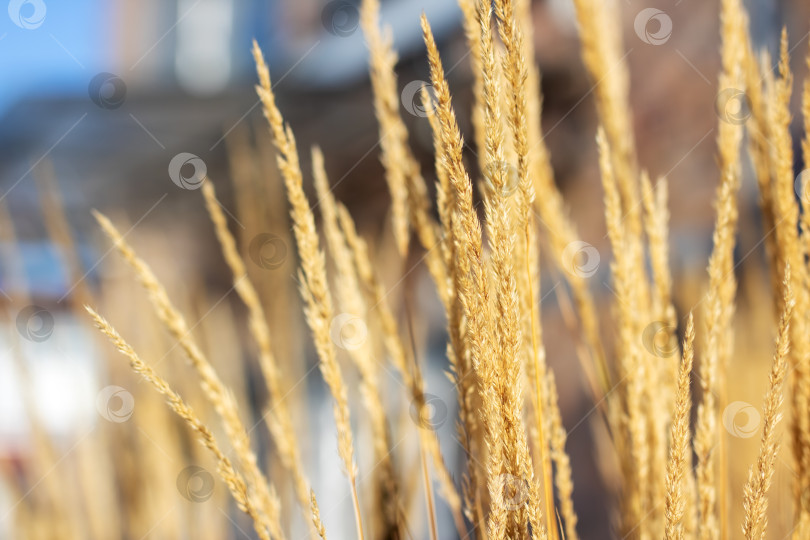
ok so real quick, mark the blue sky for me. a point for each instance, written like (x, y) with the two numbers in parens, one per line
(47, 60)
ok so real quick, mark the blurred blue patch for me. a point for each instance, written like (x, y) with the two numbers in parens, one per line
(45, 273)
(59, 52)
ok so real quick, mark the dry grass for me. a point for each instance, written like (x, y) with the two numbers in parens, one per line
(515, 479)
(236, 483)
(677, 466)
(312, 276)
(755, 497)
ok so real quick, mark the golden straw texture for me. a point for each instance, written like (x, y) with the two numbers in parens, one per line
(411, 379)
(312, 276)
(471, 287)
(406, 185)
(212, 386)
(719, 302)
(278, 416)
(755, 494)
(353, 305)
(678, 463)
(235, 482)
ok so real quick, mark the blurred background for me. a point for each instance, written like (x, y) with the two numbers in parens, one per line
(99, 97)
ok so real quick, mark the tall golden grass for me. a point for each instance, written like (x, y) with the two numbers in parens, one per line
(670, 471)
